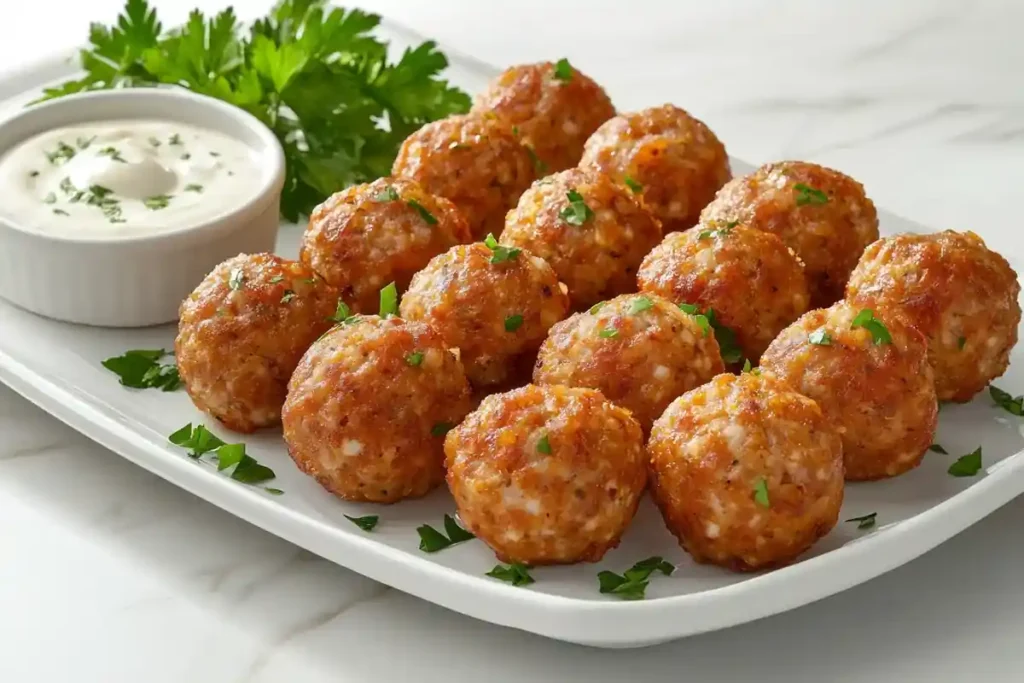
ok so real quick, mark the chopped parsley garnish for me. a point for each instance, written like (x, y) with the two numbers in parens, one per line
(726, 338)
(113, 153)
(961, 343)
(761, 492)
(366, 523)
(632, 584)
(577, 213)
(414, 359)
(155, 142)
(513, 322)
(723, 231)
(186, 156)
(342, 314)
(276, 279)
(236, 279)
(805, 194)
(539, 166)
(698, 317)
(820, 338)
(63, 153)
(194, 187)
(200, 441)
(515, 573)
(543, 445)
(214, 154)
(967, 465)
(273, 491)
(864, 521)
(608, 333)
(174, 140)
(33, 174)
(142, 369)
(563, 70)
(61, 212)
(388, 194)
(936, 448)
(422, 211)
(597, 307)
(288, 296)
(156, 202)
(441, 428)
(83, 143)
(879, 332)
(640, 304)
(633, 185)
(1014, 406)
(50, 198)
(501, 254)
(389, 301)
(432, 540)
(515, 131)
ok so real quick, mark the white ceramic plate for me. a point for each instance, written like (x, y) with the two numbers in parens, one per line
(57, 366)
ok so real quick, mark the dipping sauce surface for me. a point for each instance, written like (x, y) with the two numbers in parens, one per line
(125, 178)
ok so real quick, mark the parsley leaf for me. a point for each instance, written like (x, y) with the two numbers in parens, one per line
(366, 523)
(640, 304)
(723, 231)
(967, 465)
(608, 333)
(761, 492)
(805, 194)
(200, 441)
(597, 307)
(936, 448)
(698, 317)
(441, 428)
(543, 445)
(414, 359)
(428, 217)
(432, 540)
(820, 338)
(236, 278)
(342, 313)
(632, 584)
(633, 185)
(388, 194)
(156, 202)
(142, 369)
(879, 332)
(539, 167)
(501, 254)
(1014, 406)
(726, 338)
(288, 295)
(563, 70)
(193, 187)
(865, 521)
(577, 213)
(112, 152)
(389, 301)
(513, 322)
(515, 573)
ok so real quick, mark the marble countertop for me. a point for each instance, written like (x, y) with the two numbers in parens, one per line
(109, 574)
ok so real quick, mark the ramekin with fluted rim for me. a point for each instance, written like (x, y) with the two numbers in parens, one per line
(136, 280)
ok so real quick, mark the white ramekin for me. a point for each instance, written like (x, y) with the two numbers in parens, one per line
(139, 280)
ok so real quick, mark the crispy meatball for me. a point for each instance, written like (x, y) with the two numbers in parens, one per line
(673, 160)
(877, 392)
(368, 408)
(366, 236)
(754, 284)
(821, 214)
(242, 332)
(747, 473)
(961, 295)
(547, 475)
(640, 350)
(496, 314)
(554, 108)
(591, 231)
(473, 160)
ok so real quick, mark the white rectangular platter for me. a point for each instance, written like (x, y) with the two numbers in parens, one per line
(57, 366)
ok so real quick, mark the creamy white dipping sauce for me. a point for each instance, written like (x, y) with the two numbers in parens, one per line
(125, 178)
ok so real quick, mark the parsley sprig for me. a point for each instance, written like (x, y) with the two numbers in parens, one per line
(1006, 401)
(366, 523)
(805, 194)
(967, 465)
(726, 338)
(577, 213)
(879, 332)
(501, 254)
(142, 369)
(517, 574)
(314, 74)
(632, 584)
(432, 540)
(244, 468)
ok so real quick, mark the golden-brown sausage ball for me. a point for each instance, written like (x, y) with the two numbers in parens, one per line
(368, 408)
(242, 332)
(366, 236)
(592, 232)
(754, 284)
(874, 385)
(554, 108)
(821, 214)
(960, 294)
(473, 160)
(640, 350)
(747, 473)
(670, 158)
(495, 307)
(547, 475)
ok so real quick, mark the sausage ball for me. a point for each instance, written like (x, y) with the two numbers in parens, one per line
(640, 350)
(368, 408)
(961, 295)
(495, 307)
(366, 236)
(243, 330)
(591, 231)
(670, 158)
(821, 214)
(752, 282)
(547, 475)
(554, 108)
(748, 473)
(473, 160)
(874, 385)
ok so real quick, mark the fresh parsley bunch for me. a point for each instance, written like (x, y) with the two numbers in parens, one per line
(311, 73)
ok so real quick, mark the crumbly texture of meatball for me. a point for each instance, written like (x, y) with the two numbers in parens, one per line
(592, 232)
(748, 474)
(366, 236)
(960, 294)
(879, 395)
(673, 160)
(639, 350)
(754, 284)
(475, 161)
(821, 214)
(553, 111)
(495, 314)
(368, 408)
(242, 331)
(547, 475)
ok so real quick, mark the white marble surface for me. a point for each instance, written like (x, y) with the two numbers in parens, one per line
(108, 574)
